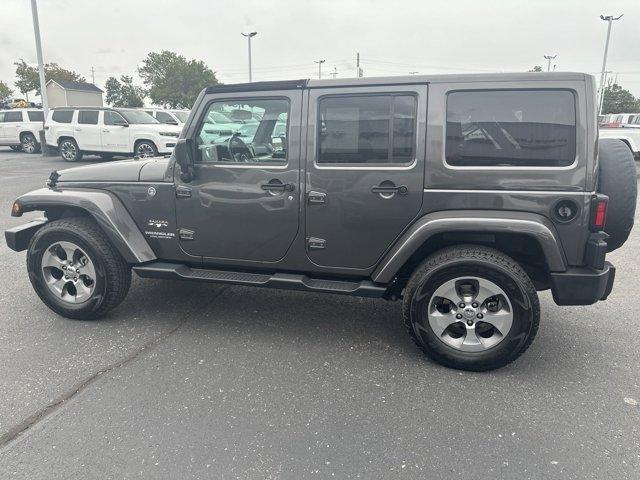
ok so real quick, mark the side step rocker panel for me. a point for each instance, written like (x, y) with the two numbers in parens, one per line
(290, 281)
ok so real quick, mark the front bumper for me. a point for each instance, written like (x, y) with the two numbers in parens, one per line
(18, 238)
(582, 286)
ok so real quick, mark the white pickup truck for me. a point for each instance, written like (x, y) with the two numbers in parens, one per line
(629, 133)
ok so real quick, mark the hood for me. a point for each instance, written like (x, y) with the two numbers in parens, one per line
(120, 171)
(157, 127)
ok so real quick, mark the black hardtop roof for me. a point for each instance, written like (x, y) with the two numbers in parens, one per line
(397, 80)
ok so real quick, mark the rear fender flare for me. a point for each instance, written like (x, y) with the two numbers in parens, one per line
(483, 221)
(105, 208)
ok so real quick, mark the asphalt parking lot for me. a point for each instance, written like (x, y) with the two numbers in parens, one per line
(198, 381)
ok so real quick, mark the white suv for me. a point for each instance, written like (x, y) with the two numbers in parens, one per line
(20, 129)
(171, 117)
(108, 132)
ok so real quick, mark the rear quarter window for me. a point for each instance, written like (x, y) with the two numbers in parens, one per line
(62, 116)
(511, 128)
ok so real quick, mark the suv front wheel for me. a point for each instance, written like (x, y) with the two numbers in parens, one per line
(471, 308)
(146, 148)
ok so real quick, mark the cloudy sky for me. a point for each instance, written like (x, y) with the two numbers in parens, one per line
(394, 37)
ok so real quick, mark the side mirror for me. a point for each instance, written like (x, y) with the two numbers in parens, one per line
(184, 157)
(120, 123)
(171, 122)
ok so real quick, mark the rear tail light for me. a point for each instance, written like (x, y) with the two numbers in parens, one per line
(599, 212)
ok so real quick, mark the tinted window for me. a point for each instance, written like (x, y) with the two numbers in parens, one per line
(88, 117)
(367, 129)
(532, 128)
(1, 117)
(242, 138)
(36, 116)
(62, 116)
(13, 116)
(137, 117)
(164, 117)
(110, 118)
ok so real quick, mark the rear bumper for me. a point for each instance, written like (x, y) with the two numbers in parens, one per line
(582, 286)
(18, 238)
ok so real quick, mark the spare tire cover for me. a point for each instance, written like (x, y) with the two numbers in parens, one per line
(617, 180)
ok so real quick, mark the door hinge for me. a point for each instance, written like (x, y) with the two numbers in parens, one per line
(316, 197)
(186, 234)
(183, 192)
(315, 243)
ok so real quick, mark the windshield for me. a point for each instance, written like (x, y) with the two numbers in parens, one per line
(182, 116)
(136, 116)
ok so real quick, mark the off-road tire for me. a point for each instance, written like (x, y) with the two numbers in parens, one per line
(617, 179)
(113, 274)
(77, 153)
(483, 262)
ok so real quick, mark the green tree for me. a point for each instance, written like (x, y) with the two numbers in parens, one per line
(28, 79)
(619, 100)
(5, 91)
(123, 93)
(173, 80)
(537, 68)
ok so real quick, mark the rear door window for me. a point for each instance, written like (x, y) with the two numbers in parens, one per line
(369, 129)
(62, 116)
(511, 128)
(88, 117)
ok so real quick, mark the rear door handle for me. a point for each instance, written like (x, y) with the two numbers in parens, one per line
(390, 190)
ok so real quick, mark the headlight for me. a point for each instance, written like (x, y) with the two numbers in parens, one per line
(169, 134)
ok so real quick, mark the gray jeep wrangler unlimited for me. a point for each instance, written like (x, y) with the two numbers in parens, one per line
(461, 195)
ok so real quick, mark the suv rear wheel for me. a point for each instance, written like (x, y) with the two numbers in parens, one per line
(69, 150)
(75, 270)
(471, 308)
(29, 143)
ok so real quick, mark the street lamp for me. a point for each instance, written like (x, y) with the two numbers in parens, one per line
(609, 19)
(249, 35)
(319, 62)
(549, 58)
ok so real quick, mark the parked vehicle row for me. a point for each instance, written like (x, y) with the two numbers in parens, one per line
(108, 132)
(624, 127)
(20, 129)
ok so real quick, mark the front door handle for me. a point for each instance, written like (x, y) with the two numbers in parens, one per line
(278, 186)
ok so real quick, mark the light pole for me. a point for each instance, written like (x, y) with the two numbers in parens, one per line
(549, 58)
(319, 62)
(36, 31)
(249, 35)
(609, 19)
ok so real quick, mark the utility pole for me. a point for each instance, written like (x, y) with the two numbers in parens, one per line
(334, 74)
(46, 150)
(93, 75)
(549, 58)
(248, 36)
(319, 62)
(358, 69)
(604, 82)
(609, 19)
(36, 31)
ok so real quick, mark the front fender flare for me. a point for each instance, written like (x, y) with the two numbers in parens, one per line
(483, 221)
(105, 208)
